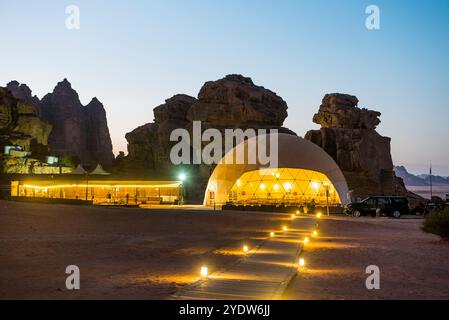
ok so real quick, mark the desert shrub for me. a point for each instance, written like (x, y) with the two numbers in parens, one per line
(437, 222)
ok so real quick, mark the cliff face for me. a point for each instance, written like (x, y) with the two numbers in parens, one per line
(236, 101)
(20, 125)
(348, 134)
(78, 130)
(232, 102)
(98, 144)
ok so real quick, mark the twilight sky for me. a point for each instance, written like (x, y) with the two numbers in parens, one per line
(133, 55)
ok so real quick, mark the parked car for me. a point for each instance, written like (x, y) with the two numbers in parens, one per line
(394, 206)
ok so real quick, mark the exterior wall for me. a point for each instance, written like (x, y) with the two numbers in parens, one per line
(101, 192)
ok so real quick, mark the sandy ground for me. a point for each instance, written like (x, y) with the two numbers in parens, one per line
(149, 254)
(413, 264)
(122, 253)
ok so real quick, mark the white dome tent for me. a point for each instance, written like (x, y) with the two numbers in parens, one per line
(304, 172)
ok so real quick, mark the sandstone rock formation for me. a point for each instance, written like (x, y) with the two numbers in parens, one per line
(236, 101)
(348, 134)
(23, 92)
(20, 125)
(232, 102)
(78, 130)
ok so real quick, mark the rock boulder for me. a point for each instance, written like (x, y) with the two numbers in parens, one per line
(20, 125)
(236, 101)
(348, 135)
(232, 102)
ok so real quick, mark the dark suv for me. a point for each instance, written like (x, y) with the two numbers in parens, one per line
(388, 205)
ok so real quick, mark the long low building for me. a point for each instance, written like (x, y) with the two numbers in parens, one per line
(100, 191)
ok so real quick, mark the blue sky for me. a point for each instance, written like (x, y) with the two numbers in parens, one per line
(133, 55)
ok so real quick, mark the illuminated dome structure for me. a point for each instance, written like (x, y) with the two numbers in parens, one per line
(305, 174)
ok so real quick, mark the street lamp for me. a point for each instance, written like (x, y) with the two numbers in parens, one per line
(326, 186)
(182, 178)
(204, 272)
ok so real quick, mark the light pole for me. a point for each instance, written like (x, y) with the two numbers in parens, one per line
(327, 197)
(181, 178)
(87, 184)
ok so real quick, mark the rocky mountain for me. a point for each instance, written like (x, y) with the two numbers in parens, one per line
(421, 179)
(78, 130)
(23, 92)
(436, 180)
(409, 179)
(20, 125)
(348, 134)
(234, 101)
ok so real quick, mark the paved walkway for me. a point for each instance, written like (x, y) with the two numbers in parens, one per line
(262, 274)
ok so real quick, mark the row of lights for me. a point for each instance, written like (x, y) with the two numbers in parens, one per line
(302, 262)
(245, 249)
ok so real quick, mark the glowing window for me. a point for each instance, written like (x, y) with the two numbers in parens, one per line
(284, 186)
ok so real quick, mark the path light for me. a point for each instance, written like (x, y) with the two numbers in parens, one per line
(301, 262)
(297, 211)
(306, 240)
(318, 215)
(245, 248)
(293, 216)
(315, 233)
(272, 234)
(284, 228)
(204, 271)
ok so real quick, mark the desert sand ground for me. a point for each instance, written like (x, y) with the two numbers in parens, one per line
(413, 264)
(122, 253)
(149, 254)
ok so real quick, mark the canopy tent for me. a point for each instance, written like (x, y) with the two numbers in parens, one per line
(99, 171)
(79, 170)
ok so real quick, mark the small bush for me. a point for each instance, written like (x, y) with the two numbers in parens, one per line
(437, 222)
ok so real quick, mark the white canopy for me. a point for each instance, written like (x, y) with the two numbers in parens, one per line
(79, 170)
(99, 171)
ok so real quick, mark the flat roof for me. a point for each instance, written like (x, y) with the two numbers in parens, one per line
(97, 183)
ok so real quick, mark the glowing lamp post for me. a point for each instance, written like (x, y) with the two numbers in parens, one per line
(315, 233)
(245, 249)
(326, 185)
(271, 234)
(284, 228)
(301, 262)
(306, 240)
(318, 215)
(182, 178)
(204, 271)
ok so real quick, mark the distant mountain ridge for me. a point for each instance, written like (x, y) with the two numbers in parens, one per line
(421, 179)
(78, 130)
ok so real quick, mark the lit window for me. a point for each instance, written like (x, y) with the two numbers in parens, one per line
(288, 186)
